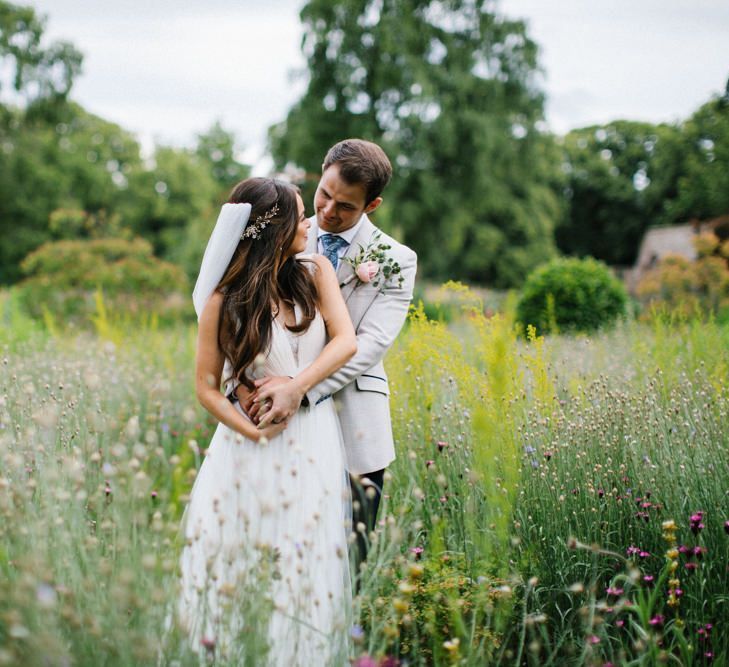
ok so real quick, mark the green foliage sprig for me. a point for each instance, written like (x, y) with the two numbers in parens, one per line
(388, 270)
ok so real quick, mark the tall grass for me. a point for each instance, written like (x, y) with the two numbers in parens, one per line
(524, 521)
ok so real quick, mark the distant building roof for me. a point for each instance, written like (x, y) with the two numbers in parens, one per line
(662, 241)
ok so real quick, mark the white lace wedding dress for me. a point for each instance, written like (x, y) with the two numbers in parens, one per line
(265, 560)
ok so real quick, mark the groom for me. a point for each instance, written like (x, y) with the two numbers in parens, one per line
(354, 174)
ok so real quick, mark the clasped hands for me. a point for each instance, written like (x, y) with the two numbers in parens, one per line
(272, 403)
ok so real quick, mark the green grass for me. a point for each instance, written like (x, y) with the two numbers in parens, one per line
(526, 470)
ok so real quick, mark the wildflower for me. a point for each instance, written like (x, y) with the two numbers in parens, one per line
(669, 526)
(441, 445)
(696, 522)
(644, 554)
(357, 634)
(416, 571)
(684, 550)
(657, 621)
(452, 645)
(429, 463)
(153, 495)
(400, 605)
(548, 455)
(649, 579)
(365, 661)
(208, 644)
(699, 552)
(600, 493)
(691, 567)
(417, 552)
(614, 591)
(406, 588)
(632, 550)
(593, 639)
(529, 449)
(389, 661)
(726, 527)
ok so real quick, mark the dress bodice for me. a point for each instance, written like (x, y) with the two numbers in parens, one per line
(289, 352)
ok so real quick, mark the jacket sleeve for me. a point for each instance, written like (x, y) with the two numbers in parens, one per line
(376, 332)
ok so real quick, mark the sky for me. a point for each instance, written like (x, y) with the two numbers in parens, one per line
(167, 69)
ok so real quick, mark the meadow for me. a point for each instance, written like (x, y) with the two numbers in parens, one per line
(555, 501)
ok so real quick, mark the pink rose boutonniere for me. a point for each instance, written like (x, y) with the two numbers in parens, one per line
(373, 265)
(367, 271)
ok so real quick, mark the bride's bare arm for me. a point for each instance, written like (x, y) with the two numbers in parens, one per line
(208, 371)
(342, 346)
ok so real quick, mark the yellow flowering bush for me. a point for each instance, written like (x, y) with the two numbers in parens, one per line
(684, 287)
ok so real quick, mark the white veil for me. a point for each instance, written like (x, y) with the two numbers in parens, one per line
(221, 246)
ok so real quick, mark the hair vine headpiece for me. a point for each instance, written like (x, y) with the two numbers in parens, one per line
(254, 229)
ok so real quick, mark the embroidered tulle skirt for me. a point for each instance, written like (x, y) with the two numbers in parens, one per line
(264, 569)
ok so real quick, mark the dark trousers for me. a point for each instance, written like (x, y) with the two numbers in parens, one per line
(364, 508)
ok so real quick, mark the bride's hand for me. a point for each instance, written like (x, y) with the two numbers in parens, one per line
(283, 395)
(272, 430)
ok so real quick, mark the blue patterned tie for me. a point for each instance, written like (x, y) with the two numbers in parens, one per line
(331, 244)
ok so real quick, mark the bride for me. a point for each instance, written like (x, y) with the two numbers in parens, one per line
(264, 569)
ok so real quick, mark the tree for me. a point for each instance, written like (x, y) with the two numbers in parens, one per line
(173, 204)
(449, 90)
(40, 75)
(217, 148)
(703, 188)
(619, 177)
(79, 163)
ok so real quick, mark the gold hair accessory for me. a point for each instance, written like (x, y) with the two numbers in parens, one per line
(254, 229)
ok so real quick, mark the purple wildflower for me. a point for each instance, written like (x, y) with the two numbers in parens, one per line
(696, 522)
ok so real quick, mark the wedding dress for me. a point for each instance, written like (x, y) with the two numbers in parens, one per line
(265, 559)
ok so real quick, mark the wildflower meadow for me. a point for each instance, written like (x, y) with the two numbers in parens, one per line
(559, 500)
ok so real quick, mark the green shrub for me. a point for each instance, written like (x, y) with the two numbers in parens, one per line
(64, 277)
(571, 295)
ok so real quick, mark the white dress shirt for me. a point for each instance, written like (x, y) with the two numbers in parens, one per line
(348, 235)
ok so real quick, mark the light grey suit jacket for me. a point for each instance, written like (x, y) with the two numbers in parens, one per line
(360, 388)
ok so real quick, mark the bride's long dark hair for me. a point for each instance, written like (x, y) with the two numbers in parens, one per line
(260, 276)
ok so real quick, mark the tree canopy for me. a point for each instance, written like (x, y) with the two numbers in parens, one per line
(41, 74)
(450, 90)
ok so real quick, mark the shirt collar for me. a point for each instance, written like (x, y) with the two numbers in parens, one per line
(348, 234)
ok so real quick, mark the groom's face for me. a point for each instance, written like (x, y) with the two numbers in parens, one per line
(339, 205)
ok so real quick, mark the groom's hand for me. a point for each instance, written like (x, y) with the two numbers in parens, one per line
(278, 399)
(254, 408)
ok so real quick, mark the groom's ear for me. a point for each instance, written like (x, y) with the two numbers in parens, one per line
(373, 205)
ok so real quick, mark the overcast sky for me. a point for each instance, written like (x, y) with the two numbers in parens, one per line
(166, 69)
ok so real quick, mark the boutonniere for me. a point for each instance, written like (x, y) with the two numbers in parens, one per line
(373, 265)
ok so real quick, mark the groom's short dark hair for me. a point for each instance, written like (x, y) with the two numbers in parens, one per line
(361, 162)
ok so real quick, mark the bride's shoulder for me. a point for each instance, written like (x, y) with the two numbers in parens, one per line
(211, 312)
